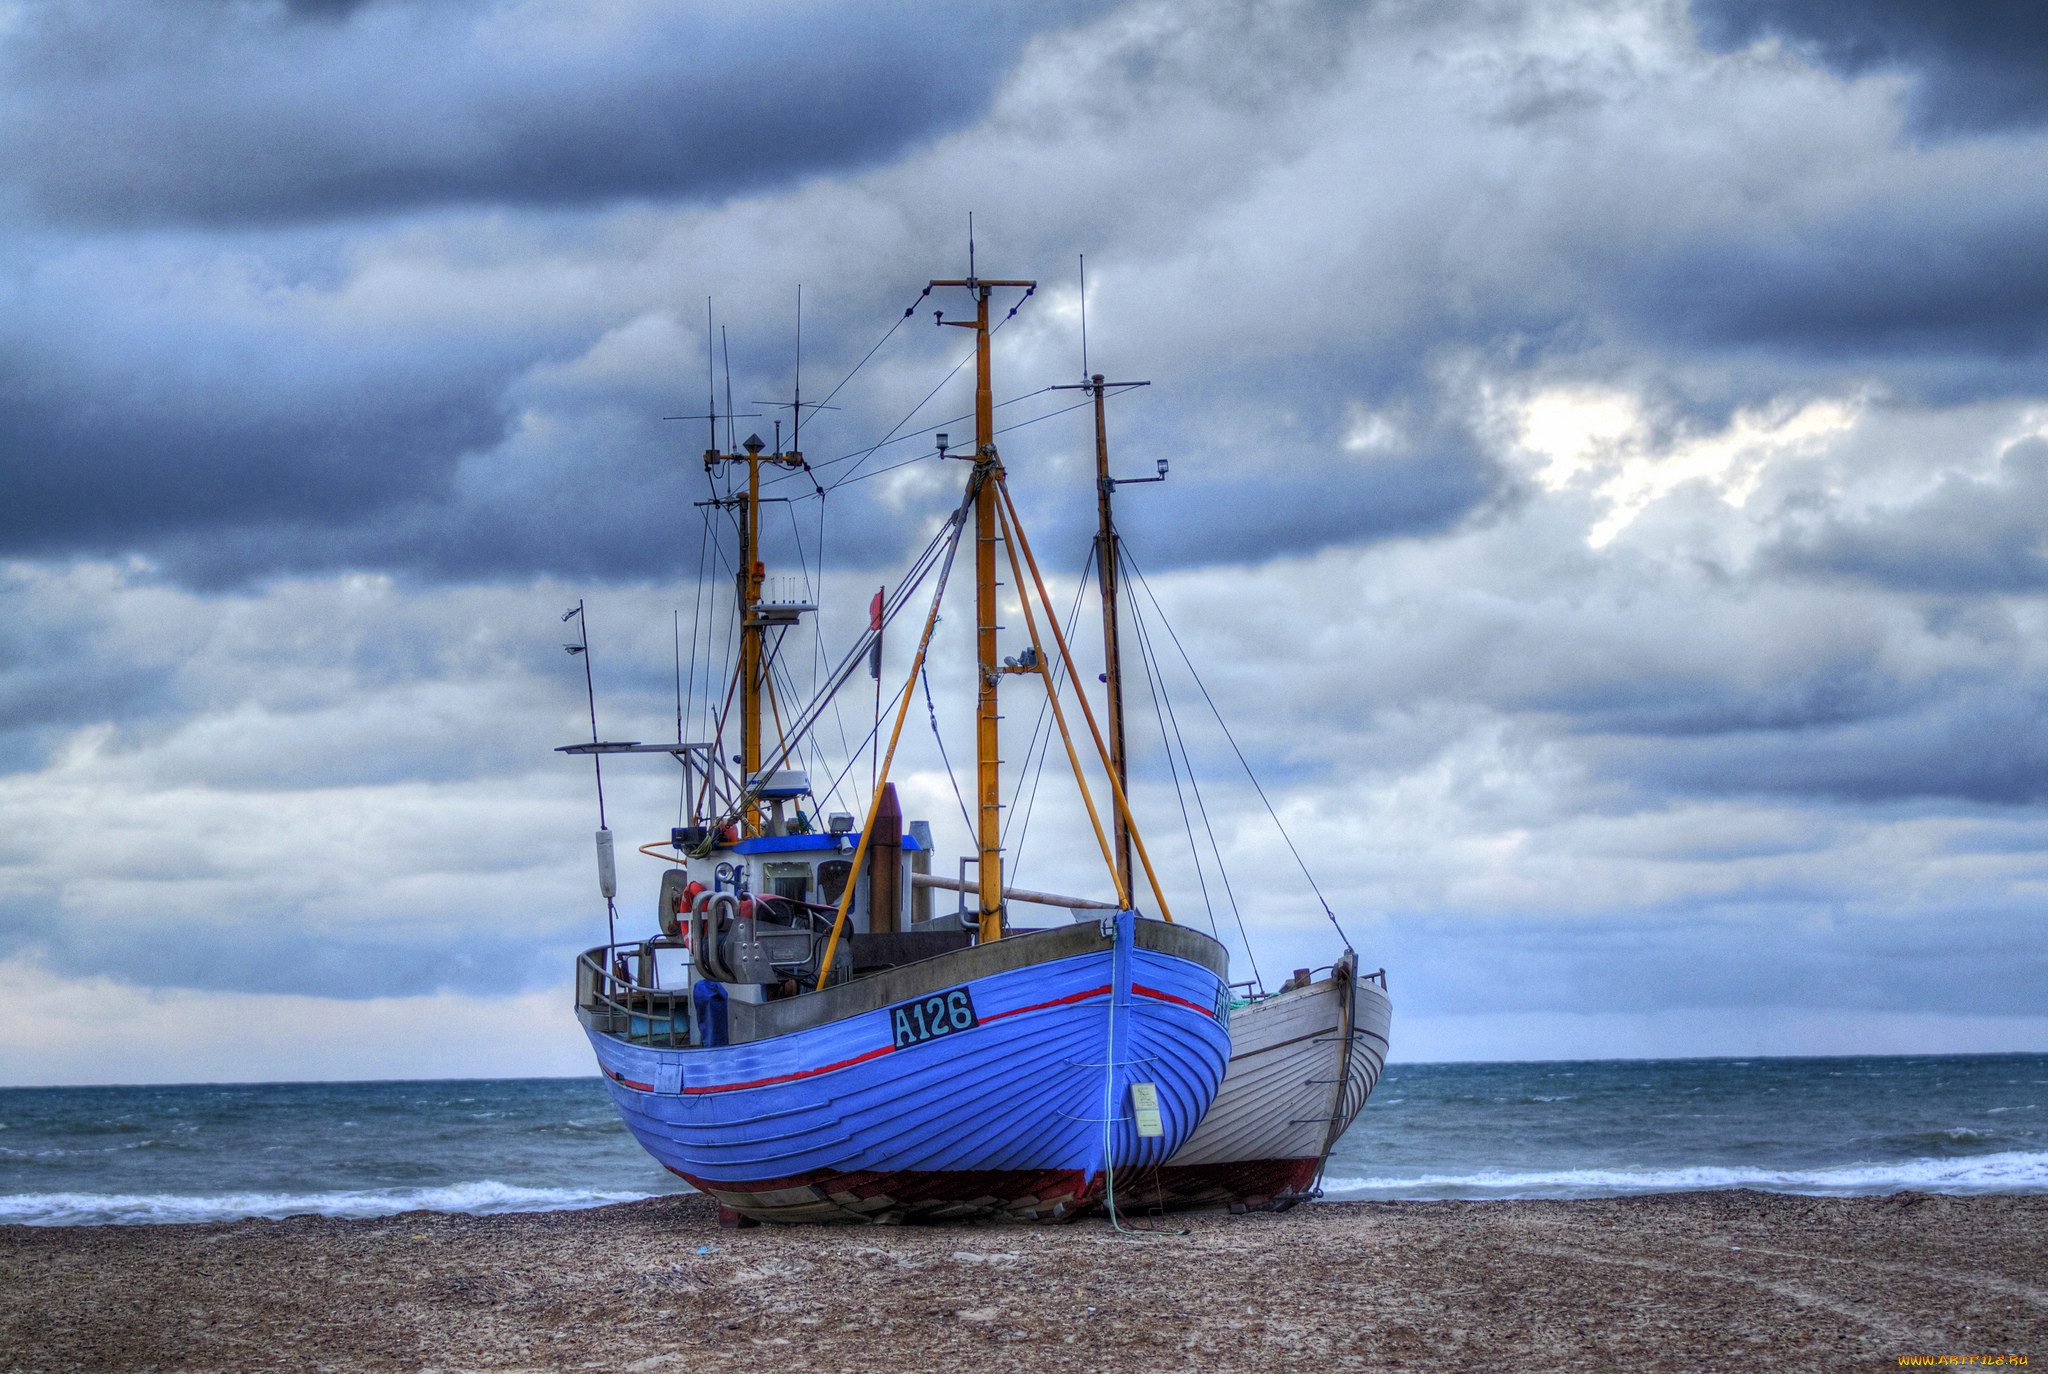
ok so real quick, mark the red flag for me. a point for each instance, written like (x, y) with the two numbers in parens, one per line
(875, 624)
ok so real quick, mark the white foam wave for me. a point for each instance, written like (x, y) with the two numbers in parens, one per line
(2013, 1171)
(119, 1209)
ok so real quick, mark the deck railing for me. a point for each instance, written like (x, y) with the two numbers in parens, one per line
(633, 1007)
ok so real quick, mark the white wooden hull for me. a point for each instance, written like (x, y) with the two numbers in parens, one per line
(1302, 1065)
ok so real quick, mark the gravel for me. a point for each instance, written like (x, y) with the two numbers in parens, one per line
(1686, 1281)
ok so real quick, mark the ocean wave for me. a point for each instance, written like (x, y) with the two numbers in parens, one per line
(2013, 1171)
(482, 1198)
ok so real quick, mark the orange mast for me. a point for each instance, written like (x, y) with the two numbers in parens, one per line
(753, 620)
(988, 666)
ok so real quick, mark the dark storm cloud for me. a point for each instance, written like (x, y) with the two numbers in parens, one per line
(1914, 283)
(304, 447)
(1975, 66)
(51, 682)
(224, 114)
(104, 473)
(602, 488)
(297, 949)
(1973, 742)
(1259, 511)
(1968, 536)
(1773, 953)
(1239, 494)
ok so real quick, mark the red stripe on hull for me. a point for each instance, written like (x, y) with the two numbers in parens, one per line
(1068, 1000)
(792, 1077)
(886, 1049)
(1144, 991)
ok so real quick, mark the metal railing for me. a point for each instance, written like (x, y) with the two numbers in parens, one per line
(617, 993)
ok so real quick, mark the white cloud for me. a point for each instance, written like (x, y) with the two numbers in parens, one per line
(58, 1030)
(1601, 438)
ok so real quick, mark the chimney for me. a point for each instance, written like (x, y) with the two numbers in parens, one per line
(885, 866)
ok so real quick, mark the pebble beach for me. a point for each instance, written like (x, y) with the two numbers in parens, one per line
(1687, 1281)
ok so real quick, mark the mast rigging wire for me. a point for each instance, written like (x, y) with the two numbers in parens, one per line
(877, 472)
(946, 538)
(862, 455)
(924, 675)
(907, 313)
(1044, 707)
(1155, 681)
(853, 755)
(1136, 572)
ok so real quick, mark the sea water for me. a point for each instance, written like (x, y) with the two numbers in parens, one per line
(1961, 1124)
(214, 1152)
(1602, 1128)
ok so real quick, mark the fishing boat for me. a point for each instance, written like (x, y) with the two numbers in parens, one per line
(1303, 1061)
(1305, 1058)
(794, 1040)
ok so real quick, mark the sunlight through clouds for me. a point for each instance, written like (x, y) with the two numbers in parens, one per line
(1605, 441)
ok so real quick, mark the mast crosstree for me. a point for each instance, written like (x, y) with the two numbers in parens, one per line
(756, 614)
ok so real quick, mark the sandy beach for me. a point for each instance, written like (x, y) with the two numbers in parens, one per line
(1729, 1280)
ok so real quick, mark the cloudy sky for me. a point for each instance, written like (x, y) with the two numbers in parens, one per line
(1609, 495)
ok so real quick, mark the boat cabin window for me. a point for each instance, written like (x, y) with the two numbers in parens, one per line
(792, 880)
(832, 876)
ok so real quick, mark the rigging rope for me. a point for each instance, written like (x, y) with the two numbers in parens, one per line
(1044, 707)
(925, 676)
(1314, 887)
(1050, 414)
(862, 455)
(1155, 679)
(898, 324)
(935, 553)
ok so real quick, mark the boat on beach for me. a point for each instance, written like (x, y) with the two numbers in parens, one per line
(1303, 1059)
(795, 1041)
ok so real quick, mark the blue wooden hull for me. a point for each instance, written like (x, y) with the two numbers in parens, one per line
(1028, 1114)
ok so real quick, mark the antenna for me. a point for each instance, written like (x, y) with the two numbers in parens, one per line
(1084, 314)
(727, 345)
(710, 386)
(970, 245)
(795, 404)
(582, 649)
(676, 616)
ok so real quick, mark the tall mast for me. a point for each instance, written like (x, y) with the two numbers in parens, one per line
(1106, 565)
(752, 573)
(987, 664)
(754, 619)
(987, 743)
(1106, 568)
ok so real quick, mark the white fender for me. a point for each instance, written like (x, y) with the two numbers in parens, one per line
(607, 868)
